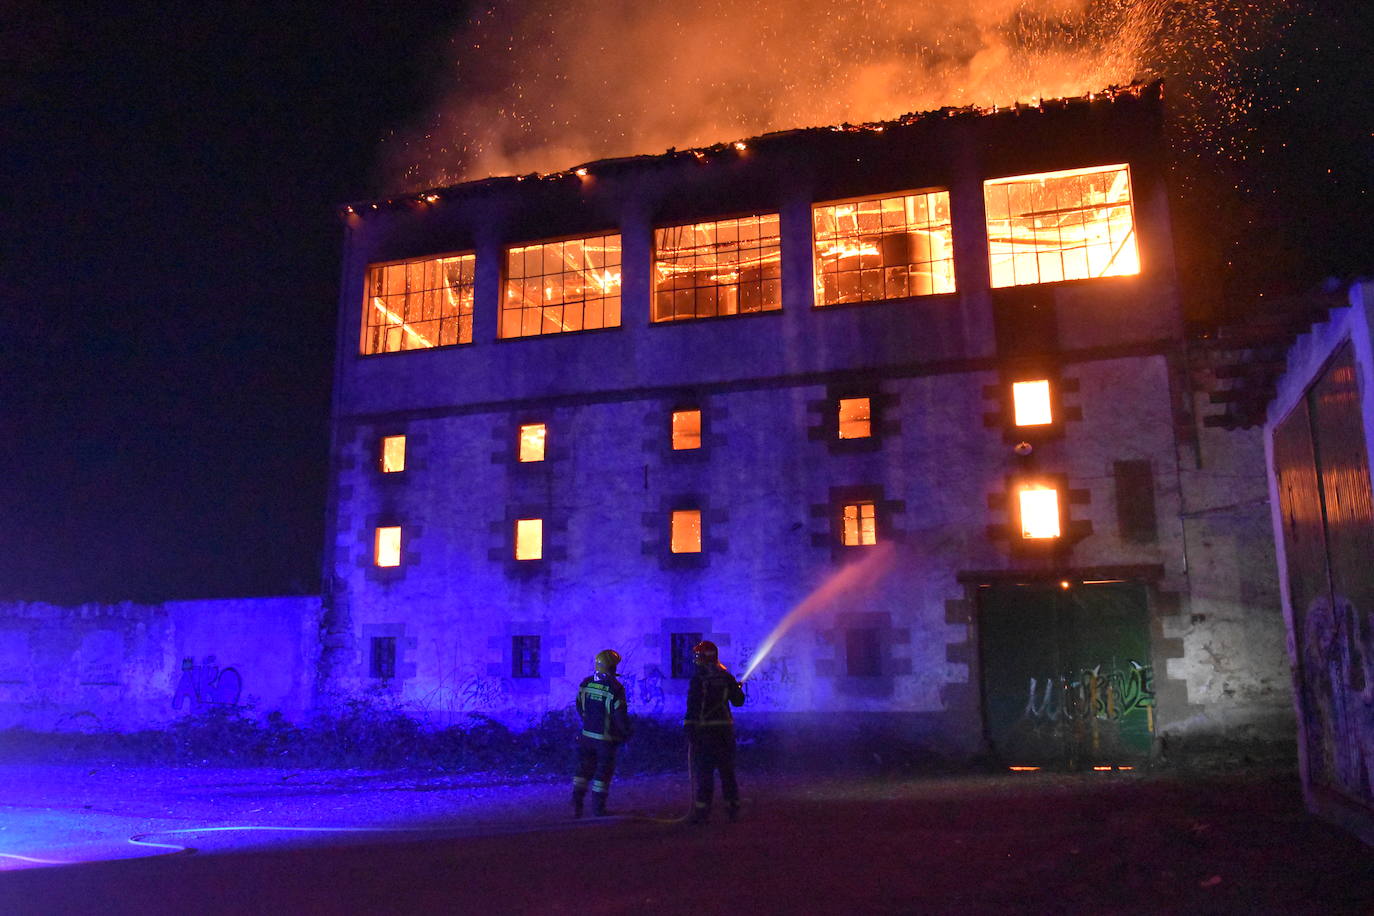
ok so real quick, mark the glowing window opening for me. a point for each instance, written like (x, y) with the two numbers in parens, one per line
(529, 539)
(1039, 513)
(883, 248)
(393, 454)
(1071, 225)
(686, 429)
(860, 524)
(855, 420)
(418, 304)
(386, 546)
(1031, 403)
(686, 531)
(725, 267)
(558, 287)
(532, 437)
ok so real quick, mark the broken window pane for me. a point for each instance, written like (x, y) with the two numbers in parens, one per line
(726, 267)
(883, 248)
(417, 304)
(556, 287)
(1069, 225)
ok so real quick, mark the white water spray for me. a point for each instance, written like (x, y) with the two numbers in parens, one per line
(849, 582)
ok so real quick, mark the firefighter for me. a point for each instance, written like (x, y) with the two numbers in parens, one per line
(711, 730)
(605, 726)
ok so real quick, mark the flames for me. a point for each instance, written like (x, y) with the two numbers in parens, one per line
(537, 86)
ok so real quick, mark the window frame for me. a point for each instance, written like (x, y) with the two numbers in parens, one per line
(816, 264)
(522, 650)
(505, 280)
(515, 540)
(654, 260)
(367, 306)
(382, 453)
(377, 546)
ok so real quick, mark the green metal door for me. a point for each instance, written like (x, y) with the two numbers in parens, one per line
(1067, 679)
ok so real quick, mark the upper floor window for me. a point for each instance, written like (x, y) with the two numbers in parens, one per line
(393, 454)
(555, 287)
(1031, 403)
(855, 418)
(859, 524)
(529, 539)
(726, 267)
(417, 304)
(532, 437)
(686, 428)
(386, 546)
(883, 248)
(1069, 225)
(685, 534)
(1038, 507)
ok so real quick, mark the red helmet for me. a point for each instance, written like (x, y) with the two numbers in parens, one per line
(705, 654)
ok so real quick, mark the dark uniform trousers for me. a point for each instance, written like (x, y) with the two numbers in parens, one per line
(713, 749)
(595, 765)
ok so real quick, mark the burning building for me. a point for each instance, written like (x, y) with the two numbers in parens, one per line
(897, 414)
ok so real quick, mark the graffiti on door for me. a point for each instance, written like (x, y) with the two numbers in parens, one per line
(1091, 693)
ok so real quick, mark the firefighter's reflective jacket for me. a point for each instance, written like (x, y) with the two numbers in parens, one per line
(601, 703)
(710, 695)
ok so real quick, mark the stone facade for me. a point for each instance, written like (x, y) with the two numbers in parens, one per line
(892, 633)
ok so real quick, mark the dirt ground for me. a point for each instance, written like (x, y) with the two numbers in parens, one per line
(362, 842)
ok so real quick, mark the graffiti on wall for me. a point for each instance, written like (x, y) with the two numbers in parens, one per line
(1090, 693)
(644, 691)
(1338, 679)
(772, 684)
(207, 685)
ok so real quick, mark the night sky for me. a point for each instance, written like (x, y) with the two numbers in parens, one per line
(169, 257)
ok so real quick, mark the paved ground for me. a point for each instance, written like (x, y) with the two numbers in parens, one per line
(1013, 843)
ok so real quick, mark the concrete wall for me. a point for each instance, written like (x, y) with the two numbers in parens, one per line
(127, 666)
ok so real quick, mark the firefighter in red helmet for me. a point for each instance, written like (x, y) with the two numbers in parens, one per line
(605, 716)
(711, 730)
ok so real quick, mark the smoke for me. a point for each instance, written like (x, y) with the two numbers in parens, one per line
(541, 86)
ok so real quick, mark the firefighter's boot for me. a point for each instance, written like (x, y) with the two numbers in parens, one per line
(599, 804)
(577, 802)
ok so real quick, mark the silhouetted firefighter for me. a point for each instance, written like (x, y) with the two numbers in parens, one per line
(605, 725)
(711, 730)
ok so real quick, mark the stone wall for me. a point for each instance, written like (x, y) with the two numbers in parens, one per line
(127, 666)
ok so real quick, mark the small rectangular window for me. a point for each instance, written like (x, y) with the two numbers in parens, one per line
(855, 420)
(393, 454)
(418, 304)
(532, 437)
(529, 539)
(883, 248)
(1031, 403)
(686, 429)
(686, 533)
(681, 648)
(1135, 501)
(524, 656)
(860, 524)
(386, 548)
(1069, 225)
(863, 652)
(725, 267)
(382, 658)
(557, 287)
(1039, 512)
